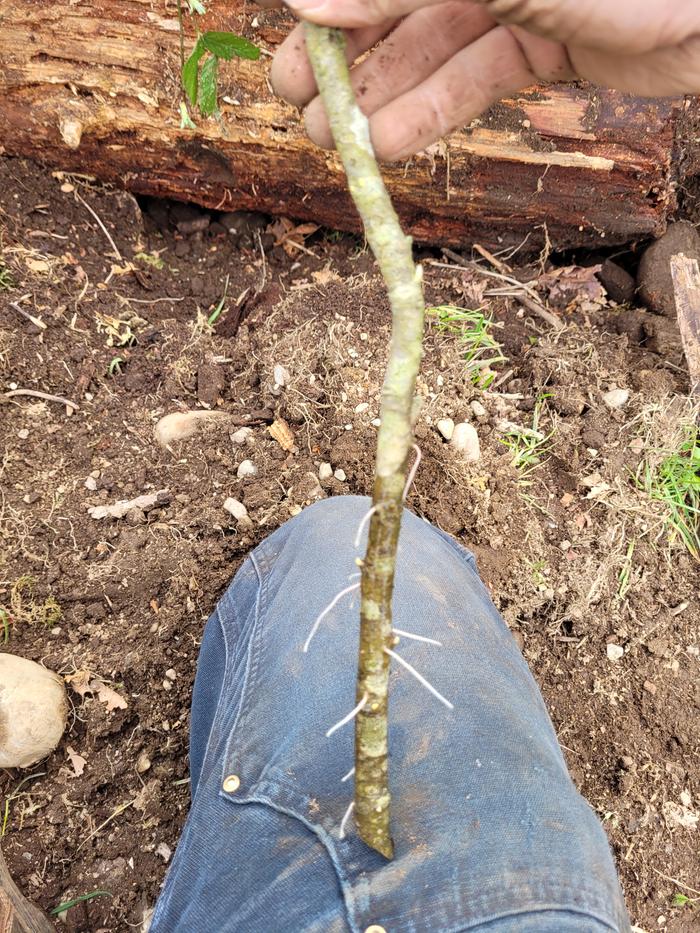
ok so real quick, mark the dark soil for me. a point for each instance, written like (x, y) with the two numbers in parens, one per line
(573, 553)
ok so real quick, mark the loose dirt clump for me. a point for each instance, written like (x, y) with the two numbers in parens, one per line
(291, 344)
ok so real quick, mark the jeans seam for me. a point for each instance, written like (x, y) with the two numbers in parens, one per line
(251, 664)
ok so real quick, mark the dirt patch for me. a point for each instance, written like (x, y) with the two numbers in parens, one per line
(572, 550)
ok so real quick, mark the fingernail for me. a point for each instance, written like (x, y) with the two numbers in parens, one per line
(305, 6)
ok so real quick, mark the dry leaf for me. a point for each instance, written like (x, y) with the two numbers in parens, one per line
(80, 682)
(37, 265)
(76, 760)
(119, 509)
(325, 276)
(282, 433)
(106, 695)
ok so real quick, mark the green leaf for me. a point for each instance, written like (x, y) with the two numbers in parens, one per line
(190, 69)
(207, 86)
(225, 45)
(196, 7)
(66, 905)
(680, 900)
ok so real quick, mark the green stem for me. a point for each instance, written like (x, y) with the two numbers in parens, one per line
(392, 249)
(182, 36)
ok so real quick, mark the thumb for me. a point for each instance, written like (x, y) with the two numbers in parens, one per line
(627, 26)
(351, 14)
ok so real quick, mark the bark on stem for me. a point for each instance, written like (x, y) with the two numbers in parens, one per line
(392, 249)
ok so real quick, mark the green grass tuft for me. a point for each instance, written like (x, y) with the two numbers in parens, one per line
(474, 329)
(675, 482)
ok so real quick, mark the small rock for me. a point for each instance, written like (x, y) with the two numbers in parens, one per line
(236, 508)
(617, 282)
(23, 434)
(614, 652)
(478, 409)
(281, 375)
(466, 441)
(654, 275)
(446, 427)
(247, 468)
(363, 406)
(340, 475)
(171, 673)
(650, 687)
(325, 471)
(616, 398)
(164, 851)
(183, 424)
(241, 435)
(376, 422)
(187, 227)
(143, 763)
(90, 483)
(136, 516)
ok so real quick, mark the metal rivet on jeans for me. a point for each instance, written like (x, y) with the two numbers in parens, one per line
(375, 928)
(231, 783)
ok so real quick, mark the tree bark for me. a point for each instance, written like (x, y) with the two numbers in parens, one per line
(94, 87)
(17, 915)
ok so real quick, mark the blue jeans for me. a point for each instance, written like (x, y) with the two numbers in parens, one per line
(489, 831)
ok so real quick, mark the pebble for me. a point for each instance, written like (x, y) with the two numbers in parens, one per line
(650, 687)
(376, 422)
(143, 763)
(340, 475)
(466, 441)
(171, 673)
(616, 398)
(91, 483)
(238, 511)
(23, 434)
(325, 471)
(241, 435)
(281, 375)
(247, 468)
(179, 425)
(617, 282)
(446, 427)
(363, 406)
(614, 652)
(478, 409)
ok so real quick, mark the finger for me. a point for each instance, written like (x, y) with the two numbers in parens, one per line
(419, 45)
(498, 64)
(351, 14)
(628, 26)
(664, 72)
(291, 75)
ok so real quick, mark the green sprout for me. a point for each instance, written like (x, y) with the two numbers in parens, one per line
(528, 446)
(481, 350)
(66, 905)
(200, 84)
(115, 366)
(150, 259)
(675, 483)
(681, 900)
(6, 280)
(216, 313)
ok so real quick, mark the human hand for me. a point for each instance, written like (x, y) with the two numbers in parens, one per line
(441, 64)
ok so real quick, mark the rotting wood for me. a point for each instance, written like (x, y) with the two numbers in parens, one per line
(94, 87)
(17, 915)
(686, 289)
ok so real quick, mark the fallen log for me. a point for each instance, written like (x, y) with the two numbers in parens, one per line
(93, 87)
